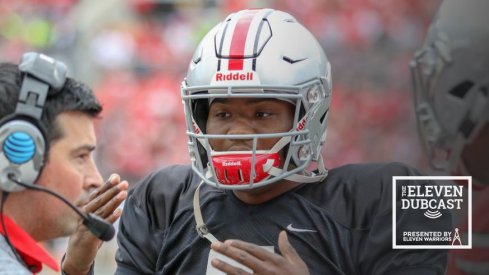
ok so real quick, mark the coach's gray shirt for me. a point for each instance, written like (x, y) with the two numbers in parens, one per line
(8, 262)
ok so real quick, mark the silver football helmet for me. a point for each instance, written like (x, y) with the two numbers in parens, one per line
(259, 53)
(451, 81)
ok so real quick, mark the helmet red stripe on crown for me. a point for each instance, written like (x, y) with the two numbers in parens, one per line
(238, 42)
(240, 38)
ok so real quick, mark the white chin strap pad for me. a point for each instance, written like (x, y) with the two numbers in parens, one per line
(201, 228)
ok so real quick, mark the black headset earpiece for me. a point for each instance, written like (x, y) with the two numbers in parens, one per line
(23, 143)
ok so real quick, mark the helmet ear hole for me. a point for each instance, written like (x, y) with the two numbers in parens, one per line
(321, 120)
(462, 89)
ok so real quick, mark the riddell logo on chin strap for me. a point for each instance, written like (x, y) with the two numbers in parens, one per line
(234, 76)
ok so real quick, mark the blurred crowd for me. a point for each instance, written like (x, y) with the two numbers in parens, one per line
(134, 54)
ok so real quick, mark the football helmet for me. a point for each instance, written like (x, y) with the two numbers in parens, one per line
(450, 75)
(259, 53)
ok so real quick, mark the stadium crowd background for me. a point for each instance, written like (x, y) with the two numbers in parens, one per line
(134, 54)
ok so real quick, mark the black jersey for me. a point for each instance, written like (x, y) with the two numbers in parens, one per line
(342, 225)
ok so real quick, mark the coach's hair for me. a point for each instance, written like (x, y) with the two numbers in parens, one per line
(74, 96)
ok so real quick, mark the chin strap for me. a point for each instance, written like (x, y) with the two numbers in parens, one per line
(275, 171)
(313, 178)
(201, 228)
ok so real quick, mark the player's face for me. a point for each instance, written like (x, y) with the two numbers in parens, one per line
(248, 116)
(70, 170)
(476, 156)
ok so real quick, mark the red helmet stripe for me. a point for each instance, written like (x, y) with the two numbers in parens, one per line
(238, 42)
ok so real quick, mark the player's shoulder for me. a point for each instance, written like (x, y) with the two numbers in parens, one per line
(355, 193)
(375, 170)
(373, 179)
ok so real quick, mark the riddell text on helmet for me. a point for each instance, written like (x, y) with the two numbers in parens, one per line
(234, 76)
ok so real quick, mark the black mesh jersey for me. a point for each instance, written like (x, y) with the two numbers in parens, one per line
(344, 222)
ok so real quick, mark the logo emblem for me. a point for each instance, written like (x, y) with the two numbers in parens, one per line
(293, 229)
(431, 201)
(292, 61)
(237, 76)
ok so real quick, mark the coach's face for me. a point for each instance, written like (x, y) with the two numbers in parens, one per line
(70, 170)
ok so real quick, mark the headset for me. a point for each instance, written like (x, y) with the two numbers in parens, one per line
(23, 144)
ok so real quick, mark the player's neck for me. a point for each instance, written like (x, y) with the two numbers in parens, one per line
(266, 193)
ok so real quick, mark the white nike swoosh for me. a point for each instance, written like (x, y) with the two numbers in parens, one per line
(293, 229)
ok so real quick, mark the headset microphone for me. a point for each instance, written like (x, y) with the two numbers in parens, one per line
(99, 227)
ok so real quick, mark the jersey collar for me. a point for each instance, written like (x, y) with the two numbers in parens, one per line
(32, 253)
